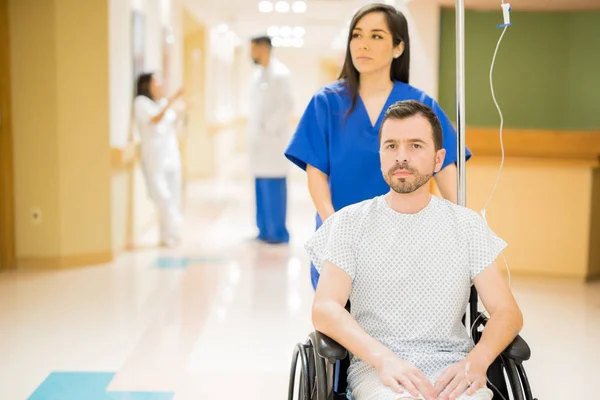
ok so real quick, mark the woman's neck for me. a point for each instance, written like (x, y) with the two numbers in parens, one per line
(375, 83)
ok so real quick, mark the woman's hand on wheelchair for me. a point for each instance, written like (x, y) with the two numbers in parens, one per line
(468, 376)
(394, 372)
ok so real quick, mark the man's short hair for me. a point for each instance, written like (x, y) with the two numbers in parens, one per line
(408, 108)
(262, 39)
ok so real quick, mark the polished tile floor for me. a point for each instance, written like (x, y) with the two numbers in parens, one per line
(217, 317)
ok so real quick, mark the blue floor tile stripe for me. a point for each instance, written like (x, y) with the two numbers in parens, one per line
(88, 386)
(184, 262)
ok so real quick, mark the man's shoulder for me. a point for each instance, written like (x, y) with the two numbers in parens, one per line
(356, 212)
(461, 213)
(350, 219)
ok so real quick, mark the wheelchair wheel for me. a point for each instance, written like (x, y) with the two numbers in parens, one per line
(518, 381)
(525, 381)
(313, 382)
(509, 380)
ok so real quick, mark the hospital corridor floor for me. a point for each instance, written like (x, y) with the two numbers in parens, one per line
(218, 316)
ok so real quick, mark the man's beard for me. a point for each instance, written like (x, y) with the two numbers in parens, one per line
(403, 185)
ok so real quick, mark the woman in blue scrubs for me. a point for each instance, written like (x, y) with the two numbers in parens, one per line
(336, 140)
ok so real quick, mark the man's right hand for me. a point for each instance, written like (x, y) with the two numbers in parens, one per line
(394, 372)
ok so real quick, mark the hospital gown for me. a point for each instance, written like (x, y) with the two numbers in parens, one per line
(411, 277)
(346, 147)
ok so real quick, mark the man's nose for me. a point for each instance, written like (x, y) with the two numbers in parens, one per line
(401, 155)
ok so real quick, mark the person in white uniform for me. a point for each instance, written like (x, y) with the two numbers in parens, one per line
(269, 131)
(156, 120)
(406, 261)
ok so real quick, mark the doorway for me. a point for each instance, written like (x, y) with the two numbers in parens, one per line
(7, 223)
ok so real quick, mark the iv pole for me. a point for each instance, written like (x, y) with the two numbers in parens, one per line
(471, 315)
(460, 101)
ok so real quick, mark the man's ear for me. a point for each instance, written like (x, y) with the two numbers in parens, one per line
(440, 156)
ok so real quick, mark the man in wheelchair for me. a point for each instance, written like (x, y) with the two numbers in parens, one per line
(406, 261)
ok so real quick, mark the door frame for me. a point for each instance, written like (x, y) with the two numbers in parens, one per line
(7, 207)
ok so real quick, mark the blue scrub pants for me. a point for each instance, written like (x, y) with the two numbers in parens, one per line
(271, 209)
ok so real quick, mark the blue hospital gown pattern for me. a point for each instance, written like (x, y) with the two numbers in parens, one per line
(411, 276)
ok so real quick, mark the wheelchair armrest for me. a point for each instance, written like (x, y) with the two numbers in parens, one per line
(328, 348)
(518, 350)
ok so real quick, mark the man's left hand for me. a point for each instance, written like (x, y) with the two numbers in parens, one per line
(457, 379)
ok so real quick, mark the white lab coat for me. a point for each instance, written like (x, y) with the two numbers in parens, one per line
(161, 163)
(271, 106)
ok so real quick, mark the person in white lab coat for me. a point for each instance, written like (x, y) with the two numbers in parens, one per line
(271, 106)
(156, 119)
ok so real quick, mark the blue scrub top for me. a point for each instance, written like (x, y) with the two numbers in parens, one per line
(347, 150)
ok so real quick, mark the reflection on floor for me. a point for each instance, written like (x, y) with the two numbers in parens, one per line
(217, 317)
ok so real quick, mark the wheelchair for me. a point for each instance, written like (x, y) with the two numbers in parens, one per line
(322, 359)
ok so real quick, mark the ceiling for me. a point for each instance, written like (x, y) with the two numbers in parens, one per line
(324, 20)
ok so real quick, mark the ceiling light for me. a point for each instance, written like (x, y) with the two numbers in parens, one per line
(277, 41)
(299, 7)
(298, 31)
(282, 6)
(265, 6)
(273, 31)
(297, 42)
(286, 31)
